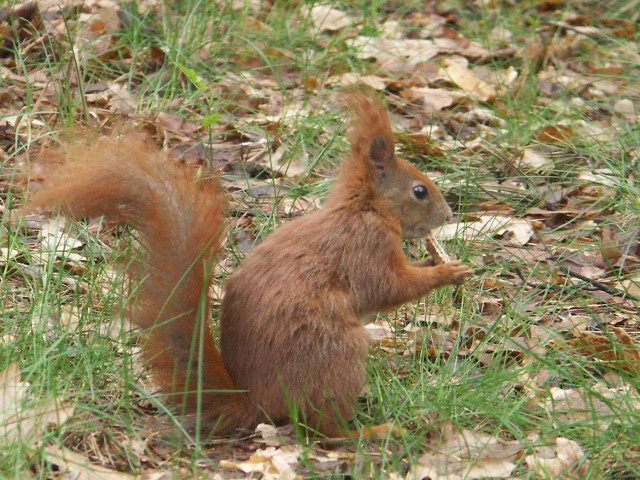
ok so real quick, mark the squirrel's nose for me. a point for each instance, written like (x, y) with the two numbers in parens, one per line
(448, 215)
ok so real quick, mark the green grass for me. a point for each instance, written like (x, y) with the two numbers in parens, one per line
(481, 382)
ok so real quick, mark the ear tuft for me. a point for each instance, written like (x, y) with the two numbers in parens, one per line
(380, 156)
(380, 151)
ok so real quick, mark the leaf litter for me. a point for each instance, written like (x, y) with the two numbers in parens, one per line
(447, 101)
(22, 421)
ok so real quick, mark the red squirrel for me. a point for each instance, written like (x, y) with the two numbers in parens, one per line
(291, 335)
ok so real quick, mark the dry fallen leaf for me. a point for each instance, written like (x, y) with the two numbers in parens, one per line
(467, 455)
(597, 407)
(7, 254)
(327, 18)
(175, 124)
(515, 231)
(377, 333)
(469, 82)
(627, 108)
(387, 52)
(565, 461)
(55, 241)
(433, 99)
(25, 422)
(618, 350)
(75, 466)
(611, 244)
(533, 160)
(293, 167)
(632, 285)
(270, 435)
(349, 78)
(555, 134)
(273, 463)
(602, 176)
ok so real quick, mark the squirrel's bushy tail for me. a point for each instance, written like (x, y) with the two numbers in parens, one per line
(180, 223)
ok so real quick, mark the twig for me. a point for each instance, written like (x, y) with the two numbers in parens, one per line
(614, 292)
(598, 285)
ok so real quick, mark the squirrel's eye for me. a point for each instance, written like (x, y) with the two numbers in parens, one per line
(420, 192)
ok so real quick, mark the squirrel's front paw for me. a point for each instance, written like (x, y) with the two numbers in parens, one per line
(454, 273)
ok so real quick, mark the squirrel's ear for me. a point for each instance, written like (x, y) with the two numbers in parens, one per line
(381, 156)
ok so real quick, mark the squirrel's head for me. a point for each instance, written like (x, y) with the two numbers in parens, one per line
(409, 194)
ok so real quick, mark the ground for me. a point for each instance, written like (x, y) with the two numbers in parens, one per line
(524, 113)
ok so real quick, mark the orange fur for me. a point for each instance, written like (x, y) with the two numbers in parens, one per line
(291, 338)
(291, 330)
(180, 224)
